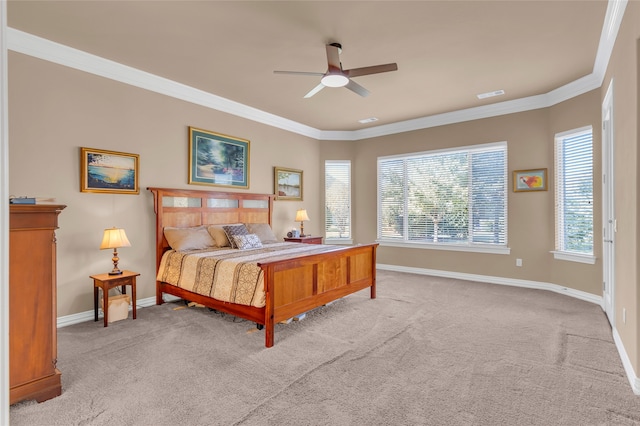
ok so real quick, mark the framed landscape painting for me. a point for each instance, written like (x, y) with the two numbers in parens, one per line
(108, 171)
(287, 184)
(217, 159)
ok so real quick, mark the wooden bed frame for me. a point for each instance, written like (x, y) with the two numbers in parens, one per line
(292, 286)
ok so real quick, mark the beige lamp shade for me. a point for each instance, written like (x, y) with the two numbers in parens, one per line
(301, 215)
(114, 238)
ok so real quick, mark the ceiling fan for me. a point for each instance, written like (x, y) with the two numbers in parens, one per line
(337, 77)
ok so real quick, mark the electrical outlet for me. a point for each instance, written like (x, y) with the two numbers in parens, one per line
(518, 262)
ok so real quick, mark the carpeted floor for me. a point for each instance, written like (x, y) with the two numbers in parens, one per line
(427, 351)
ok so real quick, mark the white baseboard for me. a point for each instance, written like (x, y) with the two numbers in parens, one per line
(582, 295)
(89, 315)
(634, 380)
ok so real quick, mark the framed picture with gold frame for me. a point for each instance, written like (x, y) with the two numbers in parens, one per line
(108, 171)
(530, 180)
(218, 160)
(287, 184)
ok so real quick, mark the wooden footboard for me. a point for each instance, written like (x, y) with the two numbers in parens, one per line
(295, 286)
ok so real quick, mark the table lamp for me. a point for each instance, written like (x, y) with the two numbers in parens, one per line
(301, 216)
(114, 238)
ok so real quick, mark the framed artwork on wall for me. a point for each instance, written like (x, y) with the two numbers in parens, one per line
(218, 160)
(530, 180)
(108, 171)
(287, 184)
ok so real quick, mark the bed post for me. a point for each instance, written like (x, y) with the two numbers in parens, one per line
(157, 203)
(269, 306)
(373, 271)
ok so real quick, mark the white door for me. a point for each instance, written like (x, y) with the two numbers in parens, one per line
(608, 216)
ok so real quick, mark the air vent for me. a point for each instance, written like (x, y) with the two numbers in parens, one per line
(490, 94)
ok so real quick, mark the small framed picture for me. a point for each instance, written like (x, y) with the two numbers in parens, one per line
(108, 171)
(218, 160)
(287, 184)
(530, 180)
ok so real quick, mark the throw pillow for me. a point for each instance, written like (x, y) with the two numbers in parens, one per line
(232, 230)
(248, 241)
(218, 234)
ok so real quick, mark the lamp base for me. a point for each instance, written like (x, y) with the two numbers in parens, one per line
(115, 259)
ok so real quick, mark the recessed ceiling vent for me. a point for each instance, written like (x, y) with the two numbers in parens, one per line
(490, 94)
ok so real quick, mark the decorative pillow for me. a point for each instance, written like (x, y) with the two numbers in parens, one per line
(193, 238)
(218, 234)
(263, 231)
(248, 241)
(232, 230)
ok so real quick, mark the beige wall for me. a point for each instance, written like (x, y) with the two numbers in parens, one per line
(623, 70)
(529, 136)
(55, 110)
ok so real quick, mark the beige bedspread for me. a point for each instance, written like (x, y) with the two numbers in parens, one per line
(228, 275)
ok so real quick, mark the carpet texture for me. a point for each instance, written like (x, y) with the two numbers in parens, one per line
(427, 351)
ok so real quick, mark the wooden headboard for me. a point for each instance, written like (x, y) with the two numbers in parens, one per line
(182, 208)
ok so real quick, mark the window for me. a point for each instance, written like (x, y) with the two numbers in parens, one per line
(447, 198)
(574, 193)
(337, 192)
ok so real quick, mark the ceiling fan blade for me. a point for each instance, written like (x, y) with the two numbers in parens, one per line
(355, 87)
(319, 74)
(375, 69)
(333, 57)
(315, 90)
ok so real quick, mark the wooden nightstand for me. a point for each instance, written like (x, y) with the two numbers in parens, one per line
(304, 240)
(106, 282)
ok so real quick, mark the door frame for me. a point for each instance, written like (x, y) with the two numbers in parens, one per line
(608, 208)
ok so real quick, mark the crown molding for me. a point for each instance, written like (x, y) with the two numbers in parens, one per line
(610, 28)
(28, 44)
(38, 47)
(568, 91)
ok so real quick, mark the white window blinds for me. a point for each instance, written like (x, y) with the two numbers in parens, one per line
(444, 197)
(574, 191)
(337, 187)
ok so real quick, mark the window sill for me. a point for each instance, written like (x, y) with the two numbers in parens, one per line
(338, 241)
(476, 248)
(574, 257)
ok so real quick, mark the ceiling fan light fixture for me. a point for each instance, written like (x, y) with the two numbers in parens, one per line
(335, 80)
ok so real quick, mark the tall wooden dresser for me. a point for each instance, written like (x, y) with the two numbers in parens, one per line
(32, 302)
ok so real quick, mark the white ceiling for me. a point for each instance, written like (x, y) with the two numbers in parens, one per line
(447, 51)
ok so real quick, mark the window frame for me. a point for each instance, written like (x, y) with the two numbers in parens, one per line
(560, 253)
(333, 240)
(464, 247)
